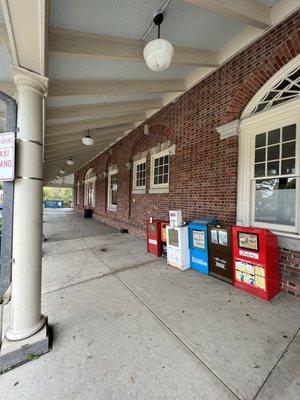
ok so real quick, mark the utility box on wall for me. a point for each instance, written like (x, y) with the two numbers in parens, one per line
(255, 261)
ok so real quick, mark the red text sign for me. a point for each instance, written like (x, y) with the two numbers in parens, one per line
(7, 156)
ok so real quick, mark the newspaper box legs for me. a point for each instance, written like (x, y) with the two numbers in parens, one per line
(255, 261)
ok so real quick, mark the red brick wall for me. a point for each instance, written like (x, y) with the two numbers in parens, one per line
(203, 171)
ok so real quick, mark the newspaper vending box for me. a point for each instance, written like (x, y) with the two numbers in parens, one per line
(255, 261)
(155, 241)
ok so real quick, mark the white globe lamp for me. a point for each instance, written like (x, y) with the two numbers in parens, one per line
(87, 140)
(70, 161)
(158, 53)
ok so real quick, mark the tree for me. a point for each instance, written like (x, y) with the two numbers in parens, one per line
(57, 193)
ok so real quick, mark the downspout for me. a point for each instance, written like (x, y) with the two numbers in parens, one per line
(8, 199)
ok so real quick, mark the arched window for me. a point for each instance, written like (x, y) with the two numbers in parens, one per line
(90, 188)
(269, 155)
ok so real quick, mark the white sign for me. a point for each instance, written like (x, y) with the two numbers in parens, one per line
(248, 254)
(7, 156)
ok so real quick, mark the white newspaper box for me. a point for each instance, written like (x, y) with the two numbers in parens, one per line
(175, 218)
(177, 247)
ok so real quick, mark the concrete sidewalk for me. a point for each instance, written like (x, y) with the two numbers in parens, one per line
(127, 326)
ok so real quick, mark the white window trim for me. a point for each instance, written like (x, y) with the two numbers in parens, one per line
(138, 189)
(159, 187)
(87, 183)
(78, 193)
(288, 113)
(110, 207)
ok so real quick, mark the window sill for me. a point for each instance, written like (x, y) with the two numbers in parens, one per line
(159, 190)
(138, 191)
(110, 208)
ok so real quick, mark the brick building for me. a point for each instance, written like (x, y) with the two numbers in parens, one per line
(187, 156)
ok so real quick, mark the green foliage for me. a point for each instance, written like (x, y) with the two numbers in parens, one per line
(56, 193)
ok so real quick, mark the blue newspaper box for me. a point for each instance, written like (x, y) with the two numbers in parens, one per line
(198, 243)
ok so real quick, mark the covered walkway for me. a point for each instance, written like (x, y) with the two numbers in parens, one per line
(126, 326)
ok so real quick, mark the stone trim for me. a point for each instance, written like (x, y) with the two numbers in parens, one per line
(228, 130)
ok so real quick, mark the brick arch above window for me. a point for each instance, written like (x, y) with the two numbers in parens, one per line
(260, 76)
(159, 129)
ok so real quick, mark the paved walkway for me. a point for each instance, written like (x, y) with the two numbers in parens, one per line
(126, 326)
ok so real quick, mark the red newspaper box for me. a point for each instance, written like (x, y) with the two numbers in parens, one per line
(255, 261)
(155, 241)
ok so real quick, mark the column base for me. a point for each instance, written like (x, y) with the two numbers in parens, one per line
(15, 353)
(13, 336)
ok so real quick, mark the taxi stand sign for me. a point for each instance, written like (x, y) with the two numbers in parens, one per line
(7, 157)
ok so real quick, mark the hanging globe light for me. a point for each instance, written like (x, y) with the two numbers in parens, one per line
(158, 53)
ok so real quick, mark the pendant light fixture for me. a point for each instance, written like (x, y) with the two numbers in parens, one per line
(158, 53)
(62, 171)
(87, 140)
(70, 161)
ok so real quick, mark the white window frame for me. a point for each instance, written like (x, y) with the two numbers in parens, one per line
(78, 193)
(111, 207)
(138, 189)
(286, 114)
(90, 182)
(159, 187)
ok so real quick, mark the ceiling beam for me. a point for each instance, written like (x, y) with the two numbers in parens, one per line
(250, 12)
(89, 88)
(86, 111)
(8, 88)
(77, 146)
(60, 129)
(4, 39)
(74, 136)
(91, 46)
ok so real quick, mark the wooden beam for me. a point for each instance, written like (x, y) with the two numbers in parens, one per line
(90, 88)
(101, 110)
(65, 43)
(8, 88)
(55, 130)
(4, 40)
(80, 146)
(74, 136)
(250, 12)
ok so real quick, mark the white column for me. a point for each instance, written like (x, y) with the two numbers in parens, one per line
(26, 317)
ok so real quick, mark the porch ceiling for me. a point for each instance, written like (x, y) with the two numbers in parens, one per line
(95, 58)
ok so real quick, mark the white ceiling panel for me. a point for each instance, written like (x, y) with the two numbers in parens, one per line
(188, 25)
(125, 18)
(5, 61)
(185, 24)
(67, 68)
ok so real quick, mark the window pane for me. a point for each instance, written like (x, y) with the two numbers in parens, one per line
(165, 179)
(160, 179)
(288, 166)
(273, 152)
(260, 170)
(274, 136)
(260, 155)
(260, 140)
(155, 180)
(275, 201)
(289, 133)
(273, 168)
(288, 149)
